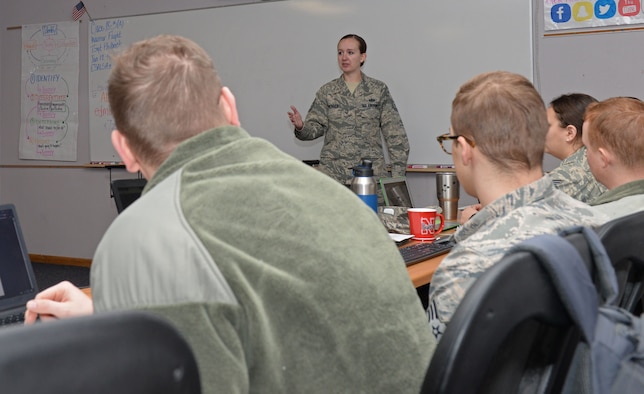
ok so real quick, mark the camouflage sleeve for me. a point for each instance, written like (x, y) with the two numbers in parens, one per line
(394, 134)
(316, 121)
(577, 183)
(454, 276)
(562, 181)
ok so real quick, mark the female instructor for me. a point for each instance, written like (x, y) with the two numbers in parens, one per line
(354, 113)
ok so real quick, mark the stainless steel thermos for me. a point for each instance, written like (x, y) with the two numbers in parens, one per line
(364, 185)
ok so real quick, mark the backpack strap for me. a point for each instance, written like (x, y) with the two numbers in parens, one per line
(570, 278)
(607, 280)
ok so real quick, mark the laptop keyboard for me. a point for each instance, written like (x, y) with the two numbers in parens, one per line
(17, 318)
(425, 250)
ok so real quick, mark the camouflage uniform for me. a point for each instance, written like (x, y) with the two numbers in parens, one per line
(537, 208)
(574, 178)
(396, 220)
(352, 124)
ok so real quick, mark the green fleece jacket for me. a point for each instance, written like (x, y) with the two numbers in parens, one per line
(281, 279)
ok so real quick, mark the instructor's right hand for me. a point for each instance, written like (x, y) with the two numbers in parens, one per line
(296, 118)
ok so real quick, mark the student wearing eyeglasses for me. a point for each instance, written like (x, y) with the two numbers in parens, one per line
(497, 140)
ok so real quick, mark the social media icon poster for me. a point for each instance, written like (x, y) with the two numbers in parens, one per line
(579, 14)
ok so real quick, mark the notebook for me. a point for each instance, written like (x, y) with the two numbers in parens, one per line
(17, 280)
(126, 191)
(395, 193)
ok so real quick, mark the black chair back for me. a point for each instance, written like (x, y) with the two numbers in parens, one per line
(623, 239)
(509, 334)
(115, 352)
(126, 191)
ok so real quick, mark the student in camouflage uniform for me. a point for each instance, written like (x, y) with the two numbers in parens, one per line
(352, 112)
(564, 141)
(614, 136)
(497, 138)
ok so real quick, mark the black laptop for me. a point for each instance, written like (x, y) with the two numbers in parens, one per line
(17, 280)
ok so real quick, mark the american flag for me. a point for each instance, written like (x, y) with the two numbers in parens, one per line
(79, 10)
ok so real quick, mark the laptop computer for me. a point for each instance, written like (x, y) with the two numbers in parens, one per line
(395, 193)
(126, 191)
(17, 280)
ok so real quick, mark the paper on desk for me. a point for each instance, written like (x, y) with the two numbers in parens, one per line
(399, 237)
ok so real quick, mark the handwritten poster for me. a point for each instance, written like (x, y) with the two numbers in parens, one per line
(49, 105)
(105, 38)
(574, 14)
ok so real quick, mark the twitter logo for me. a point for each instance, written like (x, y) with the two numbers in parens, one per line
(605, 9)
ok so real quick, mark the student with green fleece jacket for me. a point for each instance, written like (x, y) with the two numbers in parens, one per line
(277, 289)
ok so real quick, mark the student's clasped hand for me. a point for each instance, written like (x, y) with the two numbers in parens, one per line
(59, 301)
(468, 212)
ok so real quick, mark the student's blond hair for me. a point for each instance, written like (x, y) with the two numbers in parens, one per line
(506, 118)
(162, 91)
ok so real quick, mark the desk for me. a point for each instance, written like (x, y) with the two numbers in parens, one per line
(421, 273)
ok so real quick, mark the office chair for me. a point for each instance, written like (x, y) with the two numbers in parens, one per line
(112, 352)
(126, 191)
(623, 239)
(509, 334)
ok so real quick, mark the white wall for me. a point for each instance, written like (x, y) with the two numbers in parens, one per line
(65, 211)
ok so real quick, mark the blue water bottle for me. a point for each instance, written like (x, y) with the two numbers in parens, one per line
(364, 185)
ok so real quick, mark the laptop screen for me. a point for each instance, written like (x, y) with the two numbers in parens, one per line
(17, 279)
(395, 192)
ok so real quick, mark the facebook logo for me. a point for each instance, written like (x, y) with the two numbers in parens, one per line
(560, 13)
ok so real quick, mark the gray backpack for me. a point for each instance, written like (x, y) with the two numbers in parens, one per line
(610, 357)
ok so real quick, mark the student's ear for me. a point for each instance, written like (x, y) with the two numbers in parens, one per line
(571, 133)
(123, 149)
(227, 101)
(605, 157)
(466, 151)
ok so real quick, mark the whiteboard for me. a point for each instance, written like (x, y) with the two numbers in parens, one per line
(275, 54)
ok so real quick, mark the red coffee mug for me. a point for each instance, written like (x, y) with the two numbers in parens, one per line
(422, 223)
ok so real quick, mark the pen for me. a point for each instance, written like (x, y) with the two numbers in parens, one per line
(445, 166)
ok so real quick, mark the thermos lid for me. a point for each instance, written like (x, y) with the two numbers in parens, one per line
(364, 169)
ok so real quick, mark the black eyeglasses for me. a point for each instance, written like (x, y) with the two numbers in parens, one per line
(447, 137)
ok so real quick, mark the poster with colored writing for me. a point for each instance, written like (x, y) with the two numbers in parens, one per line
(105, 38)
(49, 94)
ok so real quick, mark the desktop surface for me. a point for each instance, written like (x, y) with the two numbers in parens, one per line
(421, 273)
